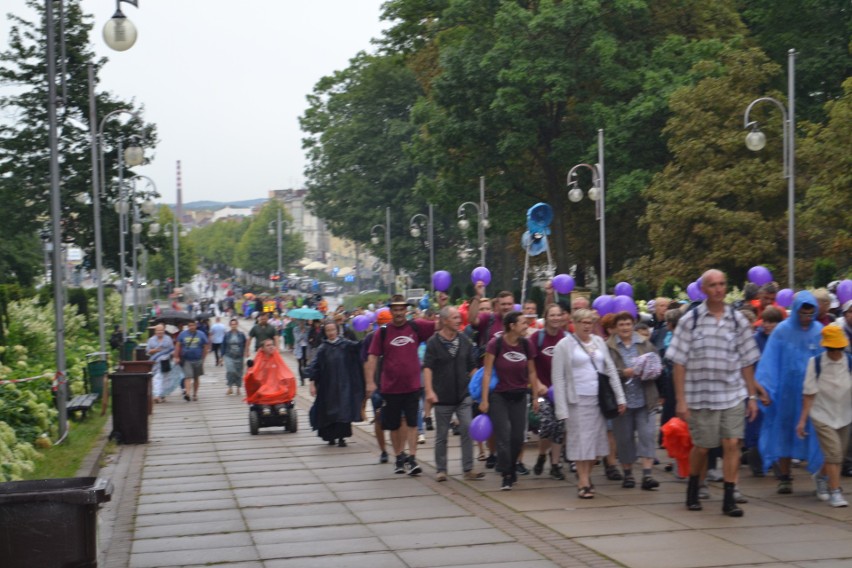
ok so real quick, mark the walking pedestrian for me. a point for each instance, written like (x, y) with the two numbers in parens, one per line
(233, 355)
(191, 350)
(159, 349)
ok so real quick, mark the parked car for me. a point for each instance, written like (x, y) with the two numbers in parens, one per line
(329, 288)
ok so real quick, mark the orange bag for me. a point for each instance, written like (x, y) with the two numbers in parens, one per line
(269, 380)
(678, 443)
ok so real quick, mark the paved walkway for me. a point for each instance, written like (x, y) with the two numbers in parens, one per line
(205, 492)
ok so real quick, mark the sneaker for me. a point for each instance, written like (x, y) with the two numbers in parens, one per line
(421, 439)
(538, 468)
(649, 483)
(441, 476)
(383, 458)
(491, 461)
(703, 491)
(428, 422)
(785, 485)
(399, 466)
(556, 473)
(186, 397)
(413, 466)
(474, 475)
(572, 466)
(714, 475)
(507, 483)
(821, 483)
(836, 499)
(521, 469)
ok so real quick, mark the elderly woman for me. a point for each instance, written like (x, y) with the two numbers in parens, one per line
(577, 359)
(634, 430)
(337, 382)
(233, 354)
(511, 356)
(159, 349)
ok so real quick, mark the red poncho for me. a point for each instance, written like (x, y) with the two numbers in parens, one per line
(269, 380)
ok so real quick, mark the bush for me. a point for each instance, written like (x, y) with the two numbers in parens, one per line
(670, 287)
(825, 270)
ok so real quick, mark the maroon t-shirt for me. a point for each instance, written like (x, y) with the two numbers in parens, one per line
(482, 326)
(511, 364)
(401, 365)
(544, 357)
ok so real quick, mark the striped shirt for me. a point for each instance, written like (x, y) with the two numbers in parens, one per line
(714, 354)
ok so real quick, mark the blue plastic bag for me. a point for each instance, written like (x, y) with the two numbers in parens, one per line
(475, 385)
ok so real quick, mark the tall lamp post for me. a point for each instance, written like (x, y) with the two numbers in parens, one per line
(482, 217)
(175, 232)
(277, 230)
(374, 238)
(131, 156)
(136, 228)
(756, 140)
(597, 194)
(430, 237)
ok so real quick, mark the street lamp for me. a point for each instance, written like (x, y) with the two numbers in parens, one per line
(119, 32)
(278, 230)
(597, 194)
(130, 156)
(374, 238)
(430, 239)
(147, 207)
(756, 140)
(482, 216)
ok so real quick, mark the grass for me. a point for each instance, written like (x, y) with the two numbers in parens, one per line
(64, 460)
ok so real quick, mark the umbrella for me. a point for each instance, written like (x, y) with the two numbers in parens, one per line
(305, 314)
(205, 316)
(316, 265)
(173, 317)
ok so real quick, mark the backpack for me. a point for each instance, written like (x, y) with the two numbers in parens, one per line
(818, 363)
(540, 337)
(474, 387)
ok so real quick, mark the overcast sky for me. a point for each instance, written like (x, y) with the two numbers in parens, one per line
(225, 83)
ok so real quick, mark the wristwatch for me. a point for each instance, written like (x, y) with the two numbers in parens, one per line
(752, 397)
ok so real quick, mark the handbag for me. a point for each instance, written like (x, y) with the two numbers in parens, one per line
(606, 395)
(165, 365)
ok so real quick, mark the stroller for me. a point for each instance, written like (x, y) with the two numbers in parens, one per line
(270, 389)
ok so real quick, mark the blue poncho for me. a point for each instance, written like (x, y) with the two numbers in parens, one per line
(782, 373)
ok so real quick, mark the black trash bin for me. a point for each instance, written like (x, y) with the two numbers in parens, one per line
(51, 523)
(130, 407)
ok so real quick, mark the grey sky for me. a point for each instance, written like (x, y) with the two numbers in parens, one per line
(226, 81)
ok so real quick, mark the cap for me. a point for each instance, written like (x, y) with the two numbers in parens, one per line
(833, 337)
(383, 317)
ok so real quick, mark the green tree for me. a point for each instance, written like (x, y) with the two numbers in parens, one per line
(257, 251)
(23, 141)
(217, 242)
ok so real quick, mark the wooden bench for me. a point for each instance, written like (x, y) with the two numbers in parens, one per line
(82, 402)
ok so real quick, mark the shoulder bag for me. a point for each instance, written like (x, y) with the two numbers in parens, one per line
(606, 396)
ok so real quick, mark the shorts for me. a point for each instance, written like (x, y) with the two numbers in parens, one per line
(397, 405)
(832, 441)
(193, 369)
(709, 427)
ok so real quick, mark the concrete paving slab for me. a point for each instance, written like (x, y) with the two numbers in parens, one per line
(187, 518)
(683, 549)
(712, 518)
(177, 496)
(196, 556)
(300, 521)
(468, 555)
(369, 560)
(603, 521)
(838, 549)
(286, 499)
(312, 534)
(186, 506)
(165, 544)
(210, 527)
(803, 533)
(445, 538)
(428, 525)
(320, 547)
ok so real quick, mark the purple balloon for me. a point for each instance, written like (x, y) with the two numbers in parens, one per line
(603, 304)
(441, 280)
(481, 428)
(517, 307)
(784, 297)
(694, 292)
(759, 275)
(844, 291)
(550, 394)
(624, 289)
(624, 304)
(480, 273)
(360, 323)
(563, 283)
(371, 316)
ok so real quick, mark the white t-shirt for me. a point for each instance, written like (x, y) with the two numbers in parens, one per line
(833, 390)
(585, 375)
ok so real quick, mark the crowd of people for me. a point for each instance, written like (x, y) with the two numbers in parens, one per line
(754, 383)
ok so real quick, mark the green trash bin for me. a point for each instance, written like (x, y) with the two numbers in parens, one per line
(142, 324)
(97, 371)
(128, 350)
(51, 523)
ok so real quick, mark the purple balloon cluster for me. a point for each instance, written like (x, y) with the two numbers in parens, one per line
(622, 301)
(441, 280)
(361, 323)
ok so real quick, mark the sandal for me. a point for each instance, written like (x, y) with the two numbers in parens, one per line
(586, 493)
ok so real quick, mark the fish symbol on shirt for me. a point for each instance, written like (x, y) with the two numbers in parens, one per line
(401, 341)
(514, 356)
